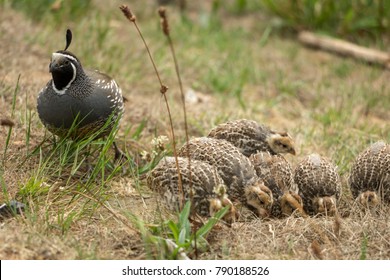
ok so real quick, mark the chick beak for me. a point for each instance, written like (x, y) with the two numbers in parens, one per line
(292, 151)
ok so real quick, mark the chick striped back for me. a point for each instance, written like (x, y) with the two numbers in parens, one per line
(371, 171)
(247, 135)
(316, 176)
(235, 169)
(203, 180)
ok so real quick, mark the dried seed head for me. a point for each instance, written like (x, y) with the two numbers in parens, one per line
(164, 20)
(7, 122)
(163, 89)
(127, 12)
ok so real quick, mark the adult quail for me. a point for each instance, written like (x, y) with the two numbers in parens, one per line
(200, 181)
(251, 137)
(369, 178)
(277, 174)
(235, 169)
(319, 185)
(78, 102)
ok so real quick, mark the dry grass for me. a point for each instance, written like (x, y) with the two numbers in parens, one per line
(359, 236)
(330, 105)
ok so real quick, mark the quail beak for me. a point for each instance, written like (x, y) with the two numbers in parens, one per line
(53, 65)
(56, 62)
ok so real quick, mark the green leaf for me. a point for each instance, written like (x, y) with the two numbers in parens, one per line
(207, 227)
(184, 214)
(174, 229)
(182, 236)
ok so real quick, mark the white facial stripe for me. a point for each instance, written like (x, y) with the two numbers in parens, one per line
(74, 74)
(61, 92)
(57, 55)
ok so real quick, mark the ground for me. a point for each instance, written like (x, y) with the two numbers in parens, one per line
(235, 69)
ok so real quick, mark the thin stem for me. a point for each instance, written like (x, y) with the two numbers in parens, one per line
(166, 31)
(163, 89)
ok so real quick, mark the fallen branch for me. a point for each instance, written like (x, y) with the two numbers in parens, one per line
(344, 48)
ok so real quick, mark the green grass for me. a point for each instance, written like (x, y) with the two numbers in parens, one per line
(363, 253)
(177, 239)
(353, 20)
(54, 11)
(74, 174)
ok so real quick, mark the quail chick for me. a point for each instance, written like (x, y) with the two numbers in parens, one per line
(277, 174)
(78, 102)
(202, 184)
(235, 169)
(251, 137)
(319, 185)
(369, 178)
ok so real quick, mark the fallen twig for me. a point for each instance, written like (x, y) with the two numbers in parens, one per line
(344, 48)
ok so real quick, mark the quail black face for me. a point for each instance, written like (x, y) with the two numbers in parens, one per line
(63, 69)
